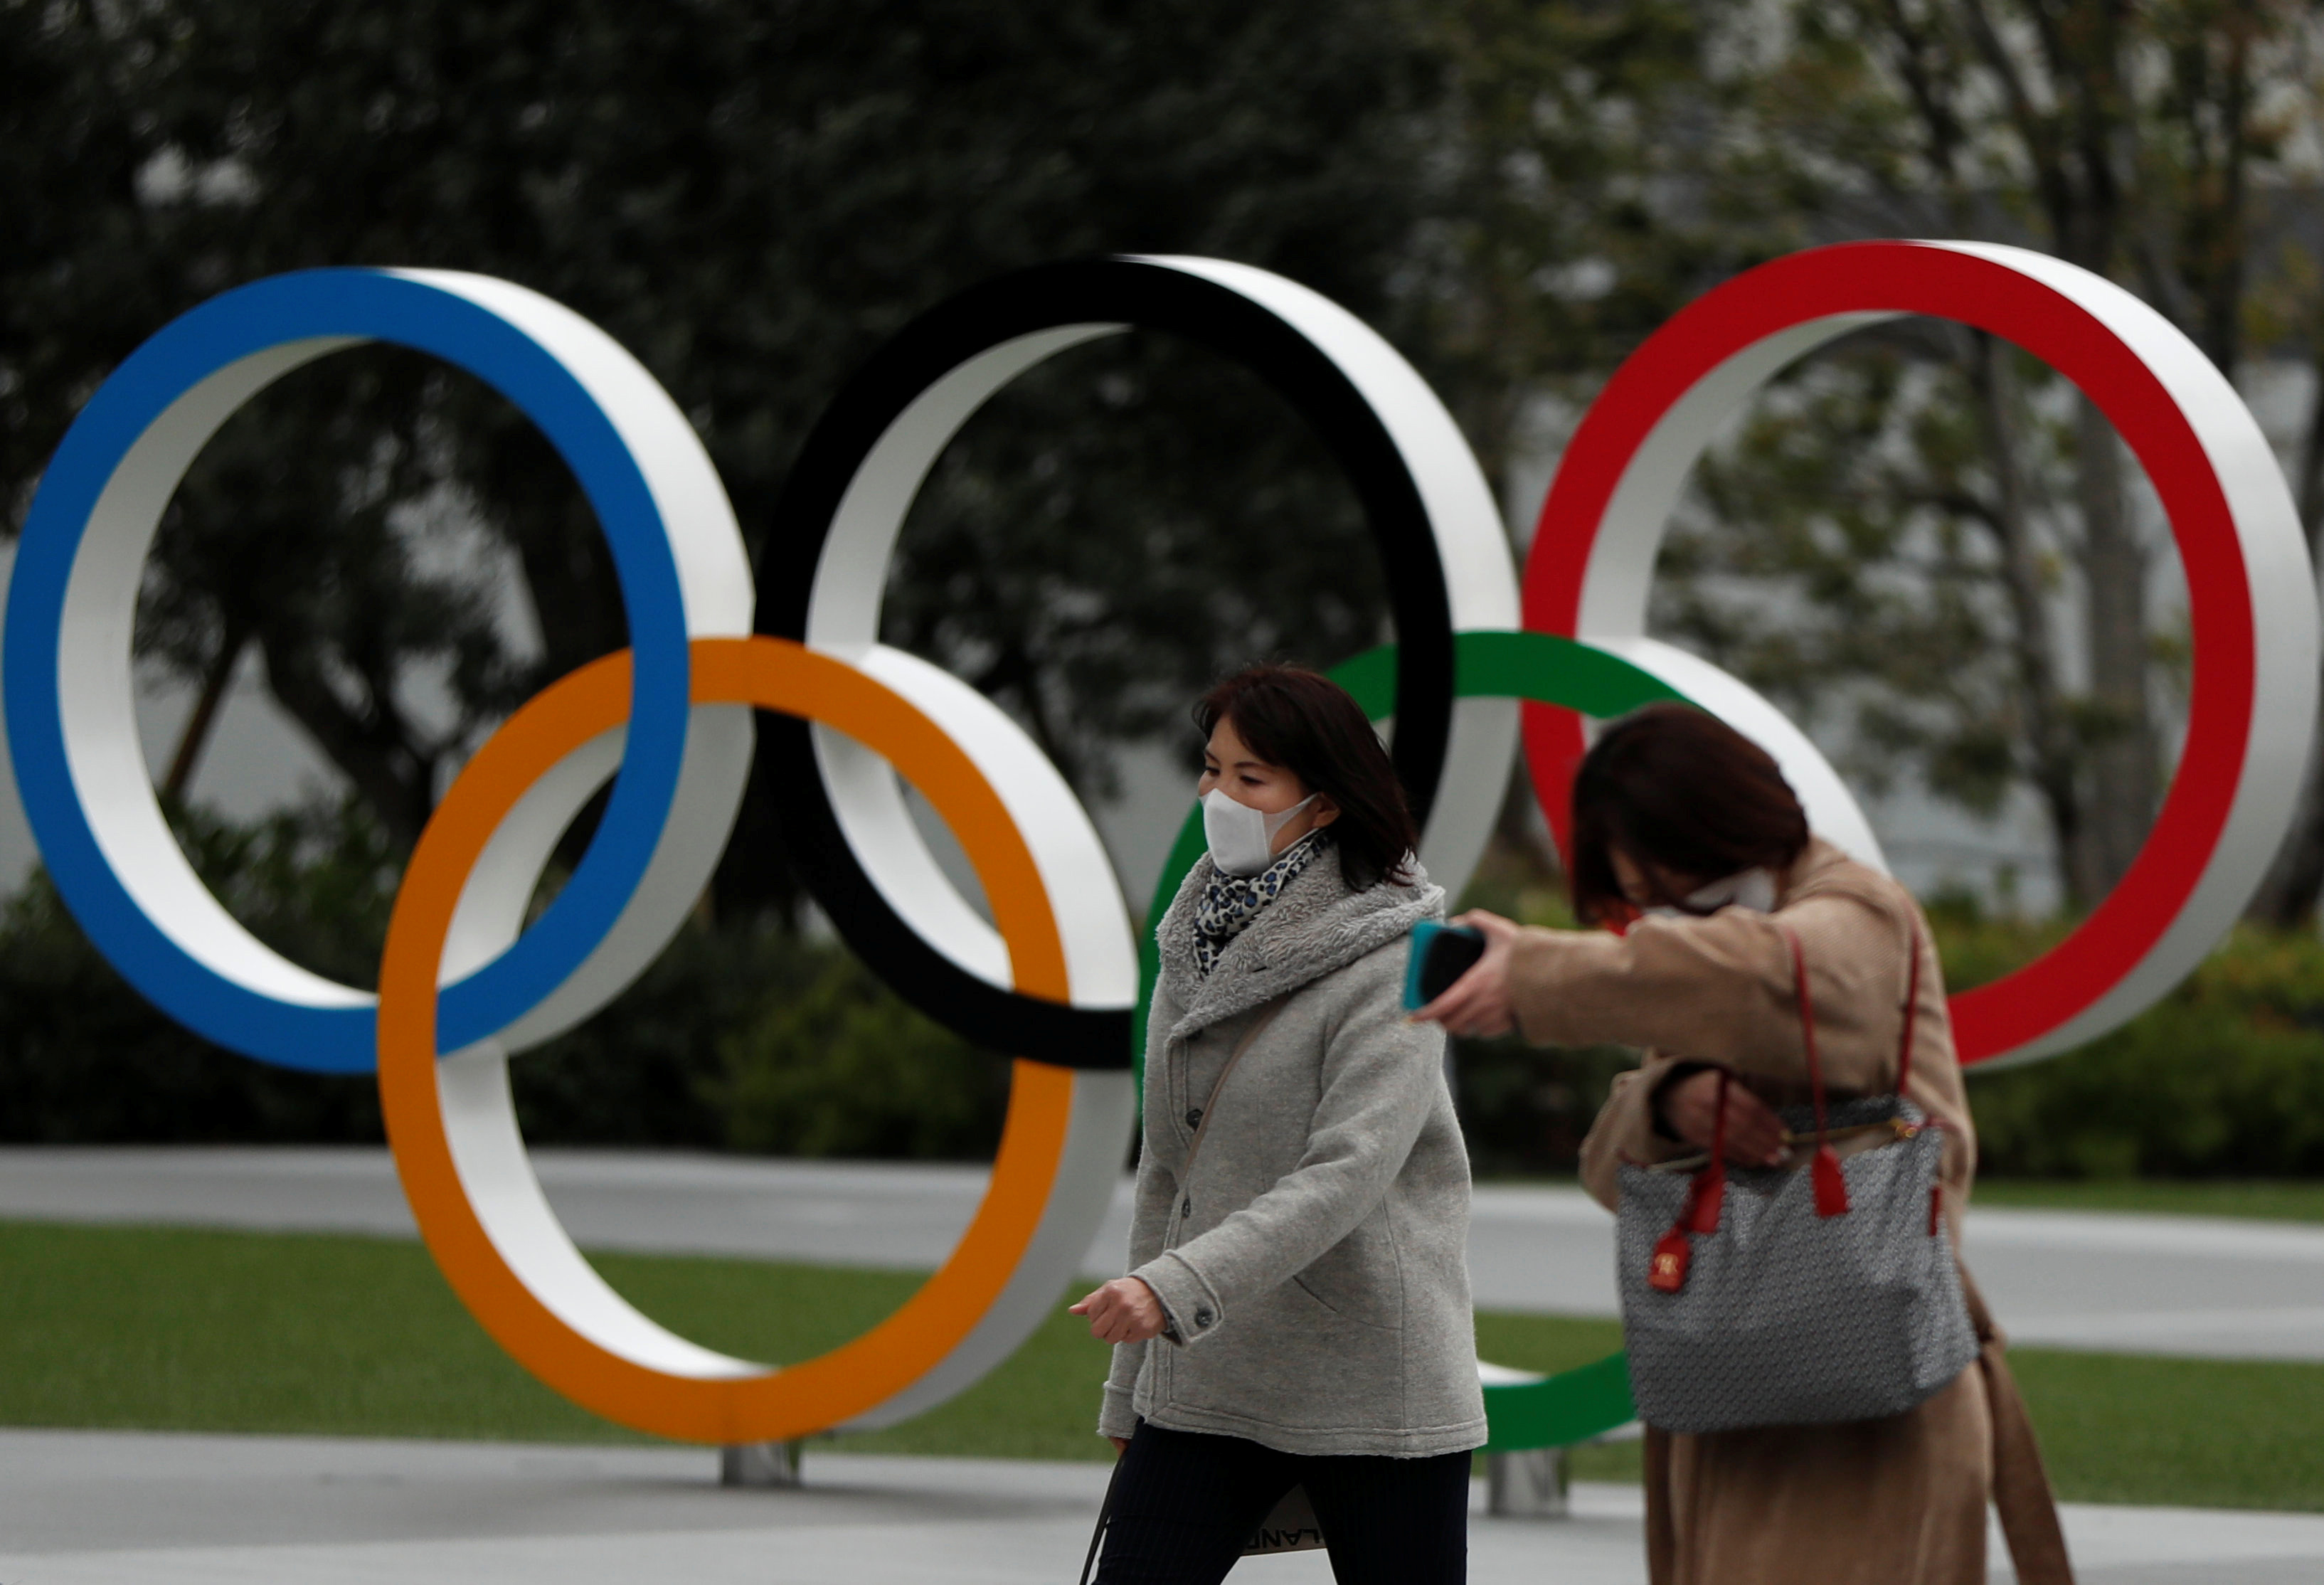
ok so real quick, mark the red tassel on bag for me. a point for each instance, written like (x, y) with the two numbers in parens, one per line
(1709, 1190)
(1666, 1272)
(1831, 1188)
(1706, 1194)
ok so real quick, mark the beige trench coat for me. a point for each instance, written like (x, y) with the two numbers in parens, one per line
(1897, 1501)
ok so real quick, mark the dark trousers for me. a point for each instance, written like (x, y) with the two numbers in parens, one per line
(1184, 1506)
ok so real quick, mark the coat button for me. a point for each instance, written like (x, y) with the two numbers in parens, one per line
(1186, 1206)
(1202, 1318)
(1194, 1116)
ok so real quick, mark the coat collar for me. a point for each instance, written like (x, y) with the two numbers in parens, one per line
(1316, 927)
(1821, 867)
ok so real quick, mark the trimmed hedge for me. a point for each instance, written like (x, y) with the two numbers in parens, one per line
(754, 1039)
(746, 1038)
(2223, 1078)
(84, 1059)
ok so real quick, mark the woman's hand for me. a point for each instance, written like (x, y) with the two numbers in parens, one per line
(1478, 1002)
(1690, 1107)
(1121, 1445)
(1124, 1311)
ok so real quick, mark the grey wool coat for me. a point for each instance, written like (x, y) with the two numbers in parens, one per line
(1314, 1264)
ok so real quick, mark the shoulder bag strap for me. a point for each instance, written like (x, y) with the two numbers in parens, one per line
(1831, 1186)
(1104, 1519)
(1210, 1107)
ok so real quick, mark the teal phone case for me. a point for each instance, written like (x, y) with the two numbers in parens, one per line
(1415, 962)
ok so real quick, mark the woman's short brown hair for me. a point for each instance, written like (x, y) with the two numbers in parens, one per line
(1685, 796)
(1312, 727)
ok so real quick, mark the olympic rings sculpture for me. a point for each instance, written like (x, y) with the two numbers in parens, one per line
(1056, 975)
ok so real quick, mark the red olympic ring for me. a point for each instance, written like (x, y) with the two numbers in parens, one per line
(2252, 603)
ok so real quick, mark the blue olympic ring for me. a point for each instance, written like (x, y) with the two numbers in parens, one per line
(341, 305)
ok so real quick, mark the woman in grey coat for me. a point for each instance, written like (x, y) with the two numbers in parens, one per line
(1297, 1310)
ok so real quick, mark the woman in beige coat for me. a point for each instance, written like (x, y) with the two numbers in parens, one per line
(1687, 831)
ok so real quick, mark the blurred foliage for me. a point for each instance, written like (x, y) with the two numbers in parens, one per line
(1525, 1108)
(834, 1065)
(85, 1059)
(2223, 1078)
(751, 1037)
(750, 198)
(1979, 945)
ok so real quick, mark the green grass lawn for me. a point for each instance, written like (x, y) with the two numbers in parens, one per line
(183, 1329)
(196, 1330)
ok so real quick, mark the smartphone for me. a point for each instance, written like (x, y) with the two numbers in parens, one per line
(1440, 953)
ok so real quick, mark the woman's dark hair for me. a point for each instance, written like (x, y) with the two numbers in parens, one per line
(1685, 795)
(1305, 723)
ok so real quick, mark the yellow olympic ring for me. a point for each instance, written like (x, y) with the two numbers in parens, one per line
(716, 1400)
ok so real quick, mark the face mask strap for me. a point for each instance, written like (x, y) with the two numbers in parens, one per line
(1283, 818)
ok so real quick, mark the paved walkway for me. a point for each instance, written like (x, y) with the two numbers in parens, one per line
(2195, 1286)
(117, 1508)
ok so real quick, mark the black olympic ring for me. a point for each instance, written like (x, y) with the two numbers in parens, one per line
(961, 340)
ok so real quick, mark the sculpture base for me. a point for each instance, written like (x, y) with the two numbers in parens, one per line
(765, 1464)
(1530, 1484)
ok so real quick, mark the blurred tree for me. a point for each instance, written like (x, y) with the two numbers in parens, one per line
(88, 267)
(1566, 129)
(1949, 533)
(749, 197)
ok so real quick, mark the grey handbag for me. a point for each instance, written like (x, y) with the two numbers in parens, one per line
(1784, 1297)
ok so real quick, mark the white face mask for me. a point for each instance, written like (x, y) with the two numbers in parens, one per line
(1241, 838)
(1753, 888)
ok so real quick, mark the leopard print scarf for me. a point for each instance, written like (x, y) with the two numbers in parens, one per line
(1231, 902)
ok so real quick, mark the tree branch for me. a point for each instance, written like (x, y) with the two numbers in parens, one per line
(197, 732)
(2032, 645)
(2043, 149)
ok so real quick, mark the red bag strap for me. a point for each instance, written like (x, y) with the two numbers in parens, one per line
(1807, 1014)
(1709, 1192)
(1831, 1186)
